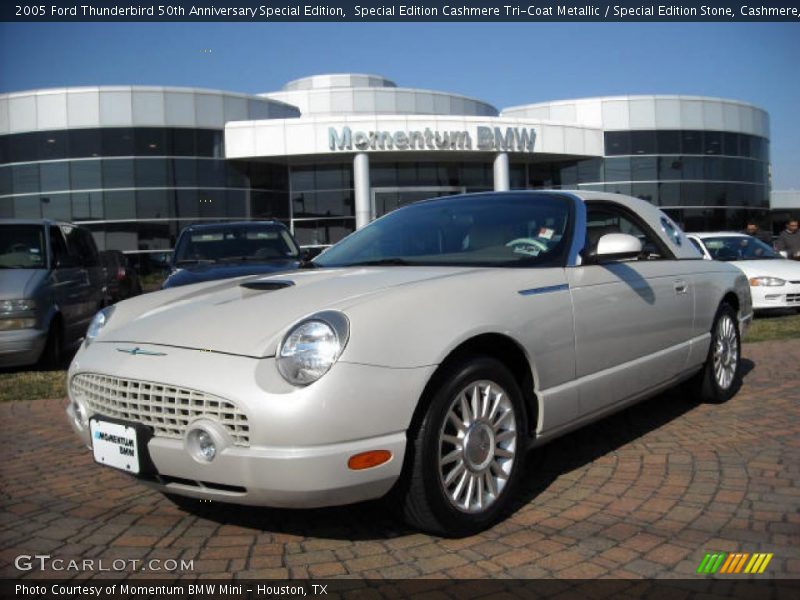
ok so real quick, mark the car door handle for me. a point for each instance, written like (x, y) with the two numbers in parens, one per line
(681, 287)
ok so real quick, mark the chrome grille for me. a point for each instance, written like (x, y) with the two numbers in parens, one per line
(165, 408)
(793, 298)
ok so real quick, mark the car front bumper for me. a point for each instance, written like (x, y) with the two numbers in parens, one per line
(784, 296)
(21, 347)
(299, 439)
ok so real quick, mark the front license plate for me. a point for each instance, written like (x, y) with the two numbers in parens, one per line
(115, 445)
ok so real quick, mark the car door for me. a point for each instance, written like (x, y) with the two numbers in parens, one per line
(67, 283)
(88, 287)
(633, 318)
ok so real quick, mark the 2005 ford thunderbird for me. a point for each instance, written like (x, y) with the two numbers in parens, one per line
(422, 355)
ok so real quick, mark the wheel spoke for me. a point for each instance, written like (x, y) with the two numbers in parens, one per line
(474, 404)
(485, 401)
(465, 414)
(501, 418)
(470, 491)
(457, 470)
(490, 485)
(503, 453)
(452, 457)
(509, 434)
(460, 485)
(451, 439)
(455, 421)
(498, 470)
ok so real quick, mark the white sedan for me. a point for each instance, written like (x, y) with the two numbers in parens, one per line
(418, 358)
(774, 280)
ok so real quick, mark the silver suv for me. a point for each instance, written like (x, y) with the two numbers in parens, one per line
(51, 285)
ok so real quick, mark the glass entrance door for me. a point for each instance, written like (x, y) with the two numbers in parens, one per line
(386, 199)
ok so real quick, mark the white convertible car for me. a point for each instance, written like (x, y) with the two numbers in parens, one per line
(420, 357)
(774, 280)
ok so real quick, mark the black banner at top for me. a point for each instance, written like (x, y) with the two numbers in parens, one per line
(263, 11)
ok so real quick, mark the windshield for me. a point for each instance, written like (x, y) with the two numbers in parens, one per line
(477, 230)
(739, 247)
(22, 247)
(235, 243)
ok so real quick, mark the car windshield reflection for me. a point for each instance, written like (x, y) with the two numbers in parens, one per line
(474, 230)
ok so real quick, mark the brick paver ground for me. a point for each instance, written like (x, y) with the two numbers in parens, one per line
(644, 493)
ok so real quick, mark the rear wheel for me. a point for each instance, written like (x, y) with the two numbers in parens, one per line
(719, 379)
(466, 453)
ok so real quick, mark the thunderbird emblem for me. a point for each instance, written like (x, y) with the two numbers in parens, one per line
(137, 350)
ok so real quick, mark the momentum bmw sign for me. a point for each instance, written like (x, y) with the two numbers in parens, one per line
(498, 139)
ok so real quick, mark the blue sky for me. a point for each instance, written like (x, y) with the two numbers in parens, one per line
(504, 64)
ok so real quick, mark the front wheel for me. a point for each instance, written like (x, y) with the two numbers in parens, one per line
(467, 451)
(719, 379)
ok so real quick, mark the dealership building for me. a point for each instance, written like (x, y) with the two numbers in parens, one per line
(328, 153)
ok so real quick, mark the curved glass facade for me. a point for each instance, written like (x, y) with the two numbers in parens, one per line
(135, 187)
(704, 179)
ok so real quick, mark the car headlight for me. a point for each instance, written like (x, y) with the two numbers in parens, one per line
(100, 320)
(767, 281)
(311, 347)
(17, 305)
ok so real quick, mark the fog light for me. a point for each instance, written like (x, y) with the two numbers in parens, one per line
(202, 445)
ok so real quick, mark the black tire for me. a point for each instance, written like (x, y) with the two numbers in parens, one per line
(424, 498)
(53, 353)
(709, 385)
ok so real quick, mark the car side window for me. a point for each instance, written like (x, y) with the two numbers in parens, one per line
(81, 246)
(58, 249)
(604, 219)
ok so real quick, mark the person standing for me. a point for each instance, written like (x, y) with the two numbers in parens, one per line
(789, 240)
(752, 228)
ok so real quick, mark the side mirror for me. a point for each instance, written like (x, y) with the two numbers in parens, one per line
(617, 246)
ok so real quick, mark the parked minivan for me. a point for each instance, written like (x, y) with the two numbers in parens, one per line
(51, 285)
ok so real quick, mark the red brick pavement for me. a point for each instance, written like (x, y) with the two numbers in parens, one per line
(644, 493)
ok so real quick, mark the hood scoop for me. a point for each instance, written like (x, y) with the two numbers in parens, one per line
(267, 285)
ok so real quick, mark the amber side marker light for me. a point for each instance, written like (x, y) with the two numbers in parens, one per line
(367, 460)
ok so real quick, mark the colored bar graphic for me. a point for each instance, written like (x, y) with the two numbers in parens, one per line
(704, 563)
(766, 562)
(734, 563)
(718, 563)
(754, 563)
(741, 562)
(726, 567)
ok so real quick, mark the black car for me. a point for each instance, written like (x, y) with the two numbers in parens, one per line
(122, 279)
(223, 250)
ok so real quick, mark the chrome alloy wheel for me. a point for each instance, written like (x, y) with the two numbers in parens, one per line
(477, 446)
(726, 352)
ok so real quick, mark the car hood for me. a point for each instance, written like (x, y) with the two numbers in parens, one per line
(231, 318)
(213, 271)
(770, 267)
(19, 283)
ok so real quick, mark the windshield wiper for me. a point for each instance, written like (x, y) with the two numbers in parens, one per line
(380, 262)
